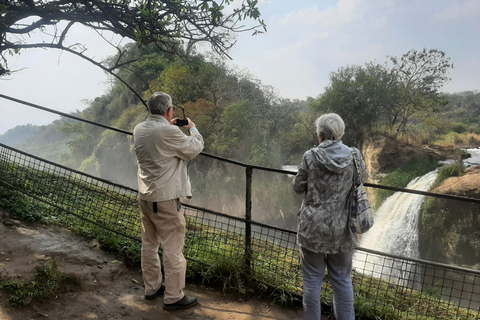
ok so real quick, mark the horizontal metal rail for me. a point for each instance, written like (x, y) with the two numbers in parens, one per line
(216, 213)
(372, 185)
(271, 252)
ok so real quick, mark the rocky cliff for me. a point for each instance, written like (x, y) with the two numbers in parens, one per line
(449, 230)
(384, 155)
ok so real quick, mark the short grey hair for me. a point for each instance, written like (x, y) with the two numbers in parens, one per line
(159, 102)
(331, 125)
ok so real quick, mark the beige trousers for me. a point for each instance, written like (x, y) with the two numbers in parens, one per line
(166, 227)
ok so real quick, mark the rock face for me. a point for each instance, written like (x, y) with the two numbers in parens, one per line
(449, 230)
(384, 155)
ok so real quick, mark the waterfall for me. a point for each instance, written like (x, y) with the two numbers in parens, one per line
(396, 222)
(395, 230)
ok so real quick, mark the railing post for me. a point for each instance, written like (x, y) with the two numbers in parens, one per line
(248, 218)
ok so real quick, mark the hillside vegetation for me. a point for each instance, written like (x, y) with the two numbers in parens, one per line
(449, 230)
(49, 142)
(243, 119)
(400, 123)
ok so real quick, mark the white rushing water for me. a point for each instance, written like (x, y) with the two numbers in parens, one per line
(396, 222)
(395, 232)
(396, 226)
(474, 160)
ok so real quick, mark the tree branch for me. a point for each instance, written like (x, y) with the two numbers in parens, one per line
(58, 46)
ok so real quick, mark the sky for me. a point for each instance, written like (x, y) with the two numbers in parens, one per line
(306, 40)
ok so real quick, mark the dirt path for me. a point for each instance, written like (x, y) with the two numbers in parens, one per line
(106, 288)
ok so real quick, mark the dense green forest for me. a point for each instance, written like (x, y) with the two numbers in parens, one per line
(243, 119)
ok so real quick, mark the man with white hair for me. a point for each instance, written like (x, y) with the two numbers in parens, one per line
(162, 151)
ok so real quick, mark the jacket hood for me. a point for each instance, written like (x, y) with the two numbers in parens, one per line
(333, 156)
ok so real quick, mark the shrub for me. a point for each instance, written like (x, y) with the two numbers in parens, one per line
(47, 283)
(452, 170)
(472, 138)
(459, 127)
(401, 177)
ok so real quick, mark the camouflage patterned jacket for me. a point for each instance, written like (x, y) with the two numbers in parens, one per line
(325, 176)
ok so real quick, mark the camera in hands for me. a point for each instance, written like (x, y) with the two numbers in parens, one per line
(181, 122)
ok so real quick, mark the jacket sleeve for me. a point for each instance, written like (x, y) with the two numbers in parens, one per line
(186, 147)
(362, 167)
(300, 180)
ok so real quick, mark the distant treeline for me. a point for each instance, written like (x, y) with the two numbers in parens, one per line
(243, 119)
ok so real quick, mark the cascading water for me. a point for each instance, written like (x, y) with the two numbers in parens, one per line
(395, 232)
(396, 222)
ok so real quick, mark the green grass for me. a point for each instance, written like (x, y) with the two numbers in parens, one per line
(452, 170)
(217, 256)
(401, 177)
(47, 284)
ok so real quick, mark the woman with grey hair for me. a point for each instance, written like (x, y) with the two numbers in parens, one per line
(324, 237)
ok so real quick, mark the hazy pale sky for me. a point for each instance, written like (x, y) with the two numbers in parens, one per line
(305, 42)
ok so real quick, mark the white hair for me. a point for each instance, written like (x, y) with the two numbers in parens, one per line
(159, 102)
(331, 125)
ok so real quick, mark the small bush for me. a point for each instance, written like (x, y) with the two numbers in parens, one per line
(459, 127)
(457, 140)
(445, 172)
(46, 284)
(20, 205)
(471, 139)
(401, 177)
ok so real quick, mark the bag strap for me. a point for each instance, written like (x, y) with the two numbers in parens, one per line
(356, 177)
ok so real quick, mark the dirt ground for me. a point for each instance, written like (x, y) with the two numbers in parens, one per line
(106, 288)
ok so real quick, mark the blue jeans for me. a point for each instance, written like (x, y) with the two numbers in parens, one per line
(339, 272)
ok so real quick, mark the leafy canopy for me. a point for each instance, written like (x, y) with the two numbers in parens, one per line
(373, 96)
(173, 25)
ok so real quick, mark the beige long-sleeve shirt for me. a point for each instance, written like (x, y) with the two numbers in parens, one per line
(162, 153)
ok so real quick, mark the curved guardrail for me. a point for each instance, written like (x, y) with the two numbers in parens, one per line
(392, 284)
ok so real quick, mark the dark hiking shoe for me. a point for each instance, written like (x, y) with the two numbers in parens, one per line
(184, 303)
(159, 293)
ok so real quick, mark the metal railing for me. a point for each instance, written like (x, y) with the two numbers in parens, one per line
(393, 286)
(390, 285)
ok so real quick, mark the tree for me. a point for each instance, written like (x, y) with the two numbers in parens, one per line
(173, 26)
(294, 130)
(205, 87)
(179, 80)
(236, 134)
(371, 96)
(420, 75)
(360, 95)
